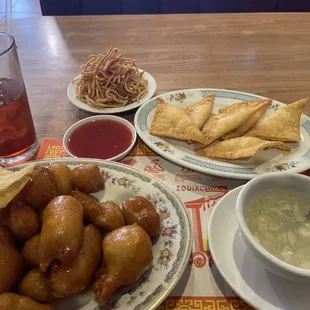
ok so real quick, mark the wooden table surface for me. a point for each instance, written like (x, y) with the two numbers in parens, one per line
(264, 54)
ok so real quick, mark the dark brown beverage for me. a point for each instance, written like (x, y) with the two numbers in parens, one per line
(17, 133)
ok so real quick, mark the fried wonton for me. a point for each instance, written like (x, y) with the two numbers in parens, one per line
(241, 147)
(281, 125)
(201, 110)
(239, 131)
(172, 122)
(220, 124)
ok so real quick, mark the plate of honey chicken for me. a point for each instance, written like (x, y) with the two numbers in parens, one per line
(88, 234)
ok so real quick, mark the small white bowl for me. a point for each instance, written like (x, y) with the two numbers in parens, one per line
(132, 129)
(249, 193)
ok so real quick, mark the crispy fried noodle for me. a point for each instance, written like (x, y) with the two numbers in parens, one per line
(110, 80)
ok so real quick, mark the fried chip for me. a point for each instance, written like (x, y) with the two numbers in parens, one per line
(172, 122)
(4, 172)
(241, 147)
(201, 110)
(220, 124)
(11, 183)
(281, 125)
(239, 131)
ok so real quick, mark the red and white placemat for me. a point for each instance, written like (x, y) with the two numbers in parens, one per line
(201, 286)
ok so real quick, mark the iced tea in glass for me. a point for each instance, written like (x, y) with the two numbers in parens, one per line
(18, 141)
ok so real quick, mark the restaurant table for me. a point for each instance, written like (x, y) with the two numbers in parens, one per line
(264, 54)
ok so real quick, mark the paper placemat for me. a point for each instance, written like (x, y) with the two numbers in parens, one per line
(201, 286)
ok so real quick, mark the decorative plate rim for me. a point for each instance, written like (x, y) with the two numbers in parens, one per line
(198, 163)
(144, 176)
(83, 106)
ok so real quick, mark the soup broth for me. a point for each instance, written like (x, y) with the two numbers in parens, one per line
(277, 219)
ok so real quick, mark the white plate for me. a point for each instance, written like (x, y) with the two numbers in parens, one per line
(183, 154)
(83, 106)
(246, 276)
(171, 250)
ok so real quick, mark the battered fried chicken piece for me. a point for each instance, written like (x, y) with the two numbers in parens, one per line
(35, 285)
(30, 253)
(41, 188)
(6, 237)
(24, 221)
(11, 262)
(76, 277)
(63, 178)
(112, 216)
(62, 231)
(10, 301)
(5, 217)
(87, 178)
(106, 215)
(127, 253)
(141, 211)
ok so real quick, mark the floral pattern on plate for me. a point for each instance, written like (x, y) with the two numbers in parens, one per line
(164, 146)
(178, 97)
(123, 182)
(274, 107)
(283, 166)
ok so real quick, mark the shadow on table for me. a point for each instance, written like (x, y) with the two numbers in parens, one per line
(221, 283)
(180, 287)
(227, 291)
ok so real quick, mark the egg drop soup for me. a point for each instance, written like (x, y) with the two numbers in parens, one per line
(278, 220)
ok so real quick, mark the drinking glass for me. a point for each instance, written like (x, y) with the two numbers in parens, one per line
(18, 141)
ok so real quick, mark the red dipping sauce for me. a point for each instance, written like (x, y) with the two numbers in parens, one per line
(102, 138)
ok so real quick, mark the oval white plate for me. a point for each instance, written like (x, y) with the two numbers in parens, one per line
(183, 154)
(171, 250)
(83, 106)
(246, 276)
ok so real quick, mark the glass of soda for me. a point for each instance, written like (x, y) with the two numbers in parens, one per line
(18, 141)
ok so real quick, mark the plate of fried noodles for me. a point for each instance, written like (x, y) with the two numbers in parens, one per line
(110, 83)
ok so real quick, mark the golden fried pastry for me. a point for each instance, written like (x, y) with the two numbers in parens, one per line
(24, 221)
(201, 110)
(241, 147)
(41, 189)
(29, 251)
(113, 217)
(63, 178)
(76, 277)
(220, 124)
(35, 285)
(62, 231)
(172, 122)
(11, 262)
(11, 183)
(127, 253)
(87, 178)
(10, 301)
(107, 215)
(6, 237)
(239, 131)
(281, 125)
(141, 211)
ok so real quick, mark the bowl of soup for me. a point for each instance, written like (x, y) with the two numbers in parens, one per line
(273, 212)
